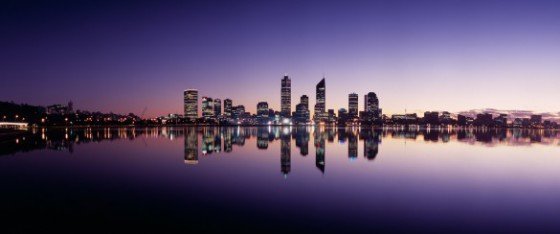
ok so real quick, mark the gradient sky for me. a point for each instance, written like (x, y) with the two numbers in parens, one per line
(417, 55)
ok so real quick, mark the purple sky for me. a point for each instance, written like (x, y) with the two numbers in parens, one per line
(417, 55)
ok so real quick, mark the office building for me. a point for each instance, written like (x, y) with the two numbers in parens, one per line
(217, 107)
(286, 97)
(190, 97)
(352, 105)
(305, 101)
(228, 104)
(207, 107)
(320, 105)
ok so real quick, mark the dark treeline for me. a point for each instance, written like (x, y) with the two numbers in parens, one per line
(62, 115)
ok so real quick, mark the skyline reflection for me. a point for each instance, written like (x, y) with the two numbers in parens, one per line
(207, 141)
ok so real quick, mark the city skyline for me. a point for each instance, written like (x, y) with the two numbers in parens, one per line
(419, 56)
(370, 103)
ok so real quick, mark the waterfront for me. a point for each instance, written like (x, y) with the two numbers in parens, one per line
(277, 179)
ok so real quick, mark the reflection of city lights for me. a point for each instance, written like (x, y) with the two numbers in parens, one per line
(17, 141)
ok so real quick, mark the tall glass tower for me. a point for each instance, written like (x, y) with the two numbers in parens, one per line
(190, 97)
(286, 97)
(321, 100)
(353, 104)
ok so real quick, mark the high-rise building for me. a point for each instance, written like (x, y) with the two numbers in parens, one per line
(372, 112)
(207, 107)
(190, 97)
(237, 111)
(342, 116)
(352, 105)
(320, 105)
(286, 97)
(227, 107)
(262, 110)
(536, 120)
(305, 101)
(302, 114)
(217, 107)
(371, 103)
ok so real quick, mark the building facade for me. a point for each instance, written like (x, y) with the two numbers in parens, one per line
(190, 97)
(320, 105)
(228, 104)
(286, 97)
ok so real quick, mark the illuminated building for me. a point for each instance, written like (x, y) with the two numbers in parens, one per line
(536, 120)
(191, 104)
(301, 115)
(217, 107)
(320, 105)
(262, 112)
(237, 111)
(227, 107)
(207, 107)
(286, 97)
(371, 102)
(352, 105)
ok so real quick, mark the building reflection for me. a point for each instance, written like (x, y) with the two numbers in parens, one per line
(285, 151)
(371, 140)
(217, 140)
(352, 144)
(191, 146)
(319, 139)
(302, 139)
(262, 138)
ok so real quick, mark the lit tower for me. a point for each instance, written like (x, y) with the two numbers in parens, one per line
(353, 105)
(227, 107)
(286, 97)
(190, 97)
(321, 100)
(207, 107)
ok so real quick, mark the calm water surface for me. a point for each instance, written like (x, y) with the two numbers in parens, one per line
(276, 179)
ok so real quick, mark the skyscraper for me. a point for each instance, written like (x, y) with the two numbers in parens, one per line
(305, 101)
(217, 107)
(227, 107)
(352, 105)
(286, 97)
(371, 103)
(302, 114)
(321, 101)
(262, 110)
(207, 107)
(190, 97)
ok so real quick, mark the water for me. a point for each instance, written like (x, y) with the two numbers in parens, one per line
(281, 180)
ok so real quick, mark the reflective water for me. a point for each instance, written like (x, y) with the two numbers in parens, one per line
(281, 180)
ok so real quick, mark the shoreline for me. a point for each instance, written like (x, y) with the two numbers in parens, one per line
(404, 127)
